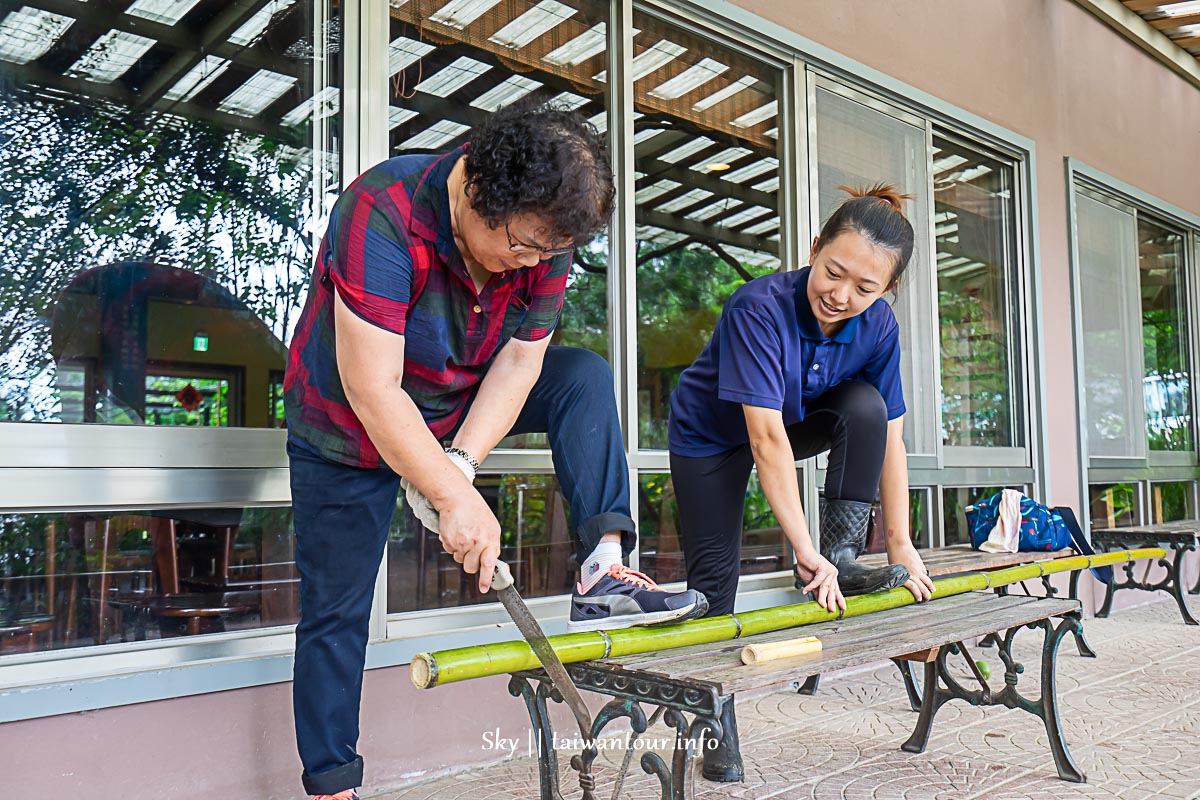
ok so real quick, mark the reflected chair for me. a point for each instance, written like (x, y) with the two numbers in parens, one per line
(193, 549)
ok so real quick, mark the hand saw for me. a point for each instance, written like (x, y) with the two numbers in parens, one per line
(503, 585)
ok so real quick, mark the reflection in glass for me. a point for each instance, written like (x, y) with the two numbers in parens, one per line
(955, 500)
(535, 542)
(452, 64)
(707, 193)
(858, 146)
(150, 344)
(919, 529)
(197, 148)
(1114, 505)
(80, 579)
(1166, 387)
(1111, 319)
(764, 548)
(977, 293)
(1171, 501)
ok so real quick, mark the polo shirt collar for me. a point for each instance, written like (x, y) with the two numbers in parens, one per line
(431, 204)
(809, 327)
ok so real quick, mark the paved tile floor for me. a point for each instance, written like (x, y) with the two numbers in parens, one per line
(1131, 717)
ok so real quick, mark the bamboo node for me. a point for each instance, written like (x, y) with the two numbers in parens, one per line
(607, 644)
(737, 622)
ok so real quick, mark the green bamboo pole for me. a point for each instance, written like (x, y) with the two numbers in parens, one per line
(450, 666)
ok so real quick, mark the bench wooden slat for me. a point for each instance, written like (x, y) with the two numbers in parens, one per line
(869, 635)
(964, 558)
(865, 627)
(1179, 526)
(841, 654)
(851, 642)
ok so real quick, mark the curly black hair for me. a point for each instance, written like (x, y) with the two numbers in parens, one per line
(541, 158)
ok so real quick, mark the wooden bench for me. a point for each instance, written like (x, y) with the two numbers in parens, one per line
(1178, 536)
(690, 686)
(961, 558)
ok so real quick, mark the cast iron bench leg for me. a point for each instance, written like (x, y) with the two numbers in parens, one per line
(910, 683)
(1178, 586)
(1081, 642)
(1046, 707)
(1048, 703)
(810, 685)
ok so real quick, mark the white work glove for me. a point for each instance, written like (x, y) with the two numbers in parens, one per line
(421, 507)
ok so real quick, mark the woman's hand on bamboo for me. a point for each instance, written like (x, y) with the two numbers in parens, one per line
(919, 582)
(821, 576)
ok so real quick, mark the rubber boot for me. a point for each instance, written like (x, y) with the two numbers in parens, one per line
(723, 763)
(843, 539)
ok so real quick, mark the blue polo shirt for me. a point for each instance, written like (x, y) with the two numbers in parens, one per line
(768, 351)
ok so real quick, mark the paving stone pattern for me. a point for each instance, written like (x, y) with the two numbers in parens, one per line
(1131, 716)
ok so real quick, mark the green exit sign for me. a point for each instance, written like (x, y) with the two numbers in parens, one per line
(200, 343)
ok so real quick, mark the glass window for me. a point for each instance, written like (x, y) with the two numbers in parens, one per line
(452, 64)
(764, 547)
(1111, 317)
(955, 500)
(535, 541)
(707, 167)
(858, 146)
(174, 179)
(1166, 385)
(1114, 505)
(1172, 500)
(978, 296)
(80, 579)
(919, 510)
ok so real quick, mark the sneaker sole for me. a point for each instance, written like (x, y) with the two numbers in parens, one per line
(641, 620)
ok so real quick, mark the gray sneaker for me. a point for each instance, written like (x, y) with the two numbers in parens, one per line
(623, 598)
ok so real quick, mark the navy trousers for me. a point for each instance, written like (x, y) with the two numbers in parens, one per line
(341, 516)
(849, 420)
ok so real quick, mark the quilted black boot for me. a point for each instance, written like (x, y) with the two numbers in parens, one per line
(723, 763)
(843, 539)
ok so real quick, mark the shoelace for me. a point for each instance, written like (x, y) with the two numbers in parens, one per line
(624, 573)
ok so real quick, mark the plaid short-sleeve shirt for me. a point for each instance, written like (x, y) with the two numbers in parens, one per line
(389, 253)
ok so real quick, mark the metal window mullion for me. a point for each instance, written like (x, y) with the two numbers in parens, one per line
(622, 270)
(366, 99)
(792, 147)
(933, 361)
(1190, 275)
(1074, 276)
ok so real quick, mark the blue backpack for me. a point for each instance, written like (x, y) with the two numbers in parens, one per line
(1041, 528)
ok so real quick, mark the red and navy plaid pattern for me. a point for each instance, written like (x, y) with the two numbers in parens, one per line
(389, 253)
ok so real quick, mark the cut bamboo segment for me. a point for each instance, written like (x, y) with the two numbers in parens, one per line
(773, 651)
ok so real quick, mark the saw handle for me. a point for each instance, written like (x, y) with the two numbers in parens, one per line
(503, 577)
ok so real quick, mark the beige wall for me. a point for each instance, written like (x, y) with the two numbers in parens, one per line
(1049, 71)
(1042, 68)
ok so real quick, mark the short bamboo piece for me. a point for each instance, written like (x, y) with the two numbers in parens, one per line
(464, 663)
(773, 651)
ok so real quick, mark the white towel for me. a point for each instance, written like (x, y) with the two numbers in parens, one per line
(1007, 533)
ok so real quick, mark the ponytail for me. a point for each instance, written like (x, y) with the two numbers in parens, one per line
(877, 214)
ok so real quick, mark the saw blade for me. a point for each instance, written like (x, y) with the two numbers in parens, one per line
(532, 631)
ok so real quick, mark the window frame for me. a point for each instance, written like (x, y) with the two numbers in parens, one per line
(1081, 178)
(97, 467)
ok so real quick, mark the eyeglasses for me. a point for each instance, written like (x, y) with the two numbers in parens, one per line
(545, 252)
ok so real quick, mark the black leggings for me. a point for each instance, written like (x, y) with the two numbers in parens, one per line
(850, 421)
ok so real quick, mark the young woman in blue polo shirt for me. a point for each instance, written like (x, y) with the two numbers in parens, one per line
(800, 363)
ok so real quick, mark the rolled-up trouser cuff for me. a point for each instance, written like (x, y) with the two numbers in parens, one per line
(338, 779)
(588, 533)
